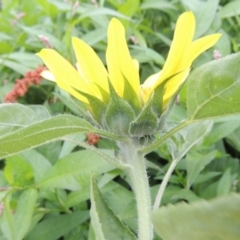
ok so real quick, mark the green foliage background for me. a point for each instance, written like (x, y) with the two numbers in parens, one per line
(46, 190)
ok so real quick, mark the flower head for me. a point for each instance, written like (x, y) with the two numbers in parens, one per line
(91, 78)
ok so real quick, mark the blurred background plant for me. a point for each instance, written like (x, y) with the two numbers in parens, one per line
(209, 169)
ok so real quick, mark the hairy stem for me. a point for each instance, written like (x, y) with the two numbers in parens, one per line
(139, 182)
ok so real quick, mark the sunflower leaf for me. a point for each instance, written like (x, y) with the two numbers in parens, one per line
(27, 136)
(218, 219)
(213, 89)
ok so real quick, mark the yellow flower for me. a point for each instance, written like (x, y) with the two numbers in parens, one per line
(91, 76)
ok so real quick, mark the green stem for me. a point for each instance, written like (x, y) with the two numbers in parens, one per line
(139, 181)
(164, 184)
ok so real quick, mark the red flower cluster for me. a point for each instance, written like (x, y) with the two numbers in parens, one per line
(21, 86)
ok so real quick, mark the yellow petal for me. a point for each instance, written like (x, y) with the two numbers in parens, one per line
(72, 91)
(202, 44)
(182, 39)
(181, 43)
(48, 75)
(181, 55)
(90, 66)
(174, 83)
(65, 74)
(136, 63)
(118, 58)
(195, 49)
(170, 88)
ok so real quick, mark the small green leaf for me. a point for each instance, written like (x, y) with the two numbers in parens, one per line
(218, 219)
(106, 225)
(213, 89)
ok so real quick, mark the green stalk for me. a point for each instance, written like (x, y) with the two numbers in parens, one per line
(139, 182)
(164, 184)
